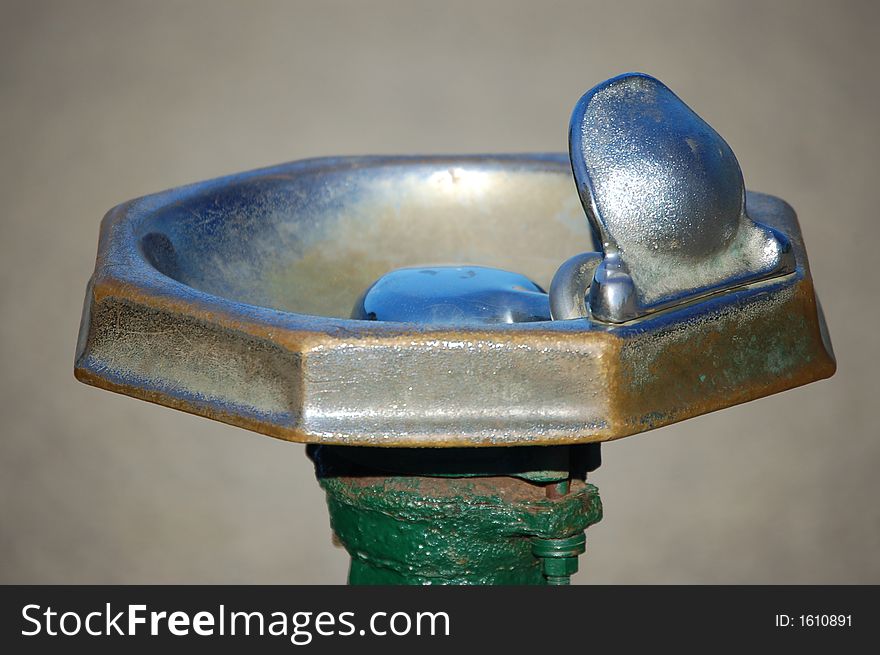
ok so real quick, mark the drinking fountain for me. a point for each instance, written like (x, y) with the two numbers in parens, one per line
(455, 336)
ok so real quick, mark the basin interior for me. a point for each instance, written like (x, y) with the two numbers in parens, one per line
(310, 238)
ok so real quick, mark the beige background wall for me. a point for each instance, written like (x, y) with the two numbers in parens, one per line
(104, 101)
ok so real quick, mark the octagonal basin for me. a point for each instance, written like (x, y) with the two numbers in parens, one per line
(231, 299)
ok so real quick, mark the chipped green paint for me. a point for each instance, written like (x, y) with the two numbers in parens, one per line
(428, 530)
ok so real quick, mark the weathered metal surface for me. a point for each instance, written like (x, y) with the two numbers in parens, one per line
(410, 529)
(665, 197)
(227, 299)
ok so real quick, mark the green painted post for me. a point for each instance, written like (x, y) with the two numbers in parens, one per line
(433, 529)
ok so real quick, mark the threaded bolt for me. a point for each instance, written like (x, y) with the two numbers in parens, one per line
(559, 557)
